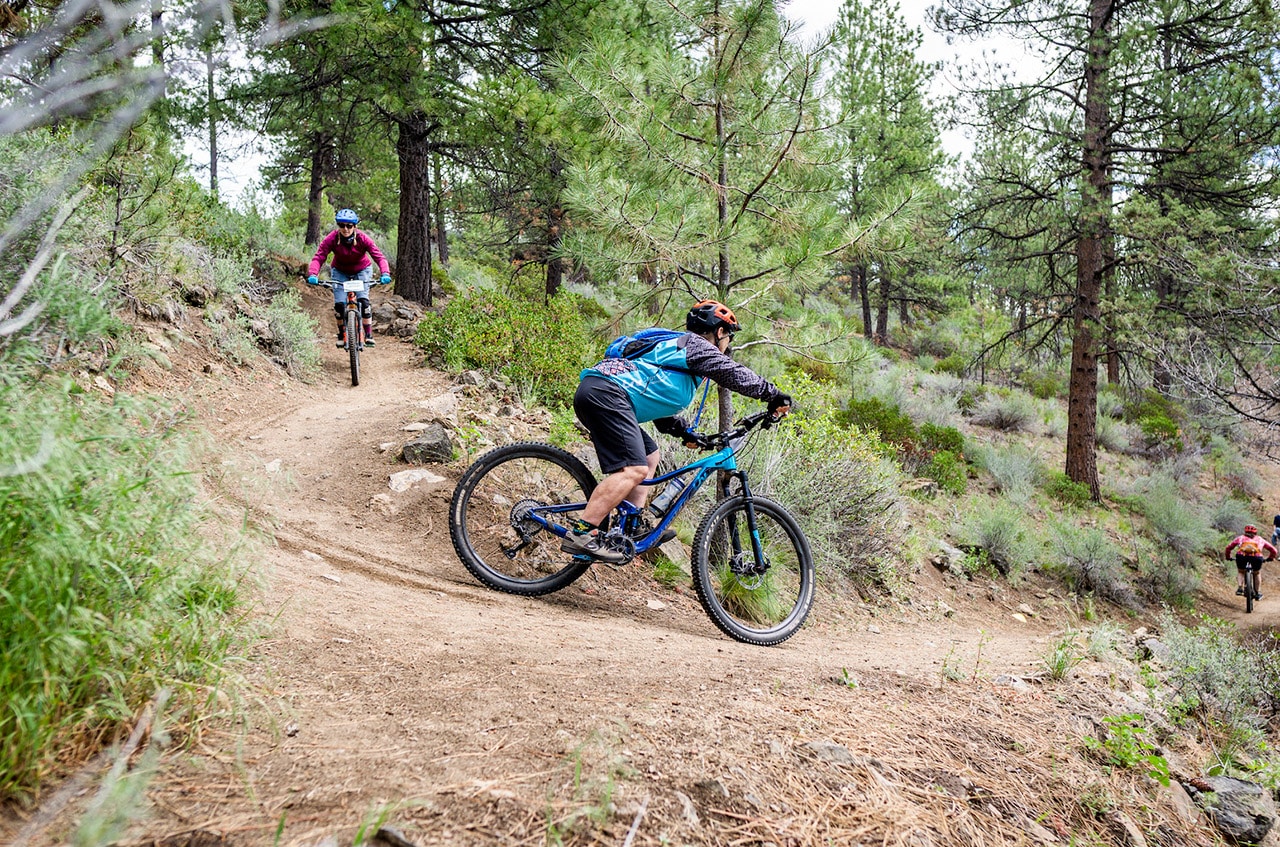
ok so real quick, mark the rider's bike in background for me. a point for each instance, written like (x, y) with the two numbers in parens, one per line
(752, 568)
(353, 326)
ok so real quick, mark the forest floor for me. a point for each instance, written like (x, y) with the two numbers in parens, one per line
(390, 691)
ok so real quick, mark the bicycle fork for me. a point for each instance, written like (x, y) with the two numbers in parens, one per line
(740, 565)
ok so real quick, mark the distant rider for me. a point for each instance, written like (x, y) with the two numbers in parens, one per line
(353, 256)
(617, 395)
(1250, 550)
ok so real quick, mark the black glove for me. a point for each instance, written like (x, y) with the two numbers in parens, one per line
(676, 426)
(779, 403)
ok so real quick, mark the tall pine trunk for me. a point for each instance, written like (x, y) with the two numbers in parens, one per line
(1091, 250)
(413, 247)
(315, 189)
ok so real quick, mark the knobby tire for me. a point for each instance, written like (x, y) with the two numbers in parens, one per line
(1250, 588)
(353, 344)
(484, 517)
(766, 609)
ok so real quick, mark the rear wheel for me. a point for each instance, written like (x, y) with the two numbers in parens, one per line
(490, 517)
(1250, 588)
(757, 602)
(353, 344)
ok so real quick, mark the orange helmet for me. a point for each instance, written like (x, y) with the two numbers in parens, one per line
(706, 315)
(1250, 530)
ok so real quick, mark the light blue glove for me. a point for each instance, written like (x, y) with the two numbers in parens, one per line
(385, 279)
(313, 280)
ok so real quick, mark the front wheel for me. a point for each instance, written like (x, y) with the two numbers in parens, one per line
(491, 523)
(757, 601)
(353, 344)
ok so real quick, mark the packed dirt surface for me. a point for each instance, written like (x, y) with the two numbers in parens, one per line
(390, 692)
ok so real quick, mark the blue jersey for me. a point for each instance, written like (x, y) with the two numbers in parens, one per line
(662, 382)
(659, 384)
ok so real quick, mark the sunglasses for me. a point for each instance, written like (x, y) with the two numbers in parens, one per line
(346, 226)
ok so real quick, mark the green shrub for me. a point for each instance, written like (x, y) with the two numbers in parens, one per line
(1062, 488)
(816, 370)
(112, 588)
(946, 438)
(1161, 433)
(1044, 386)
(540, 348)
(884, 419)
(970, 397)
(950, 471)
(954, 364)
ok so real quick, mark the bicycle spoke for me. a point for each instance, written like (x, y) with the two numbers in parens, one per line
(492, 524)
(758, 599)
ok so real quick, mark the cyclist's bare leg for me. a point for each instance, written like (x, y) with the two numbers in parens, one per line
(611, 491)
(640, 494)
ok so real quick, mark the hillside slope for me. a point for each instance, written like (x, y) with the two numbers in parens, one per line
(389, 688)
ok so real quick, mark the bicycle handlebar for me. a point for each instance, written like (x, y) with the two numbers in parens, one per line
(763, 419)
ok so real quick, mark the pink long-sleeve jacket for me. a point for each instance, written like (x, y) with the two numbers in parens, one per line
(350, 259)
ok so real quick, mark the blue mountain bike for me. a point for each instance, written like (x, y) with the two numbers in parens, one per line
(752, 568)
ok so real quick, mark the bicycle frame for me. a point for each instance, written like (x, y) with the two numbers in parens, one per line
(354, 287)
(724, 459)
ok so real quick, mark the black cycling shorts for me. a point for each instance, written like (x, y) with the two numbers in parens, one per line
(1243, 562)
(605, 411)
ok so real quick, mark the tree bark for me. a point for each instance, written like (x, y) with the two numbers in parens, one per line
(442, 234)
(882, 309)
(315, 190)
(413, 247)
(1095, 211)
(211, 105)
(859, 273)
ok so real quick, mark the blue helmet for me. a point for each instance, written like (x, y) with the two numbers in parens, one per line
(346, 216)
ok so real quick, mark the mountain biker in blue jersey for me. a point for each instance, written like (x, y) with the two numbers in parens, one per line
(353, 256)
(617, 395)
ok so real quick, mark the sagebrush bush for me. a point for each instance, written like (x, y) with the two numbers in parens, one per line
(1209, 670)
(536, 346)
(1230, 515)
(293, 334)
(1090, 563)
(840, 485)
(1015, 469)
(1112, 435)
(1176, 524)
(1000, 532)
(1012, 412)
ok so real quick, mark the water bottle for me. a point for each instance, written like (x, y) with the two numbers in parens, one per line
(668, 496)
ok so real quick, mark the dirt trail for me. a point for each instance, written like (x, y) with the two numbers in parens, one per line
(391, 684)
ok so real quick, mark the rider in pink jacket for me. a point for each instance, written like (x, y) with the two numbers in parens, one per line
(353, 256)
(1250, 549)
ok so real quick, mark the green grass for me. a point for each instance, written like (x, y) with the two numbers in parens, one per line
(110, 590)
